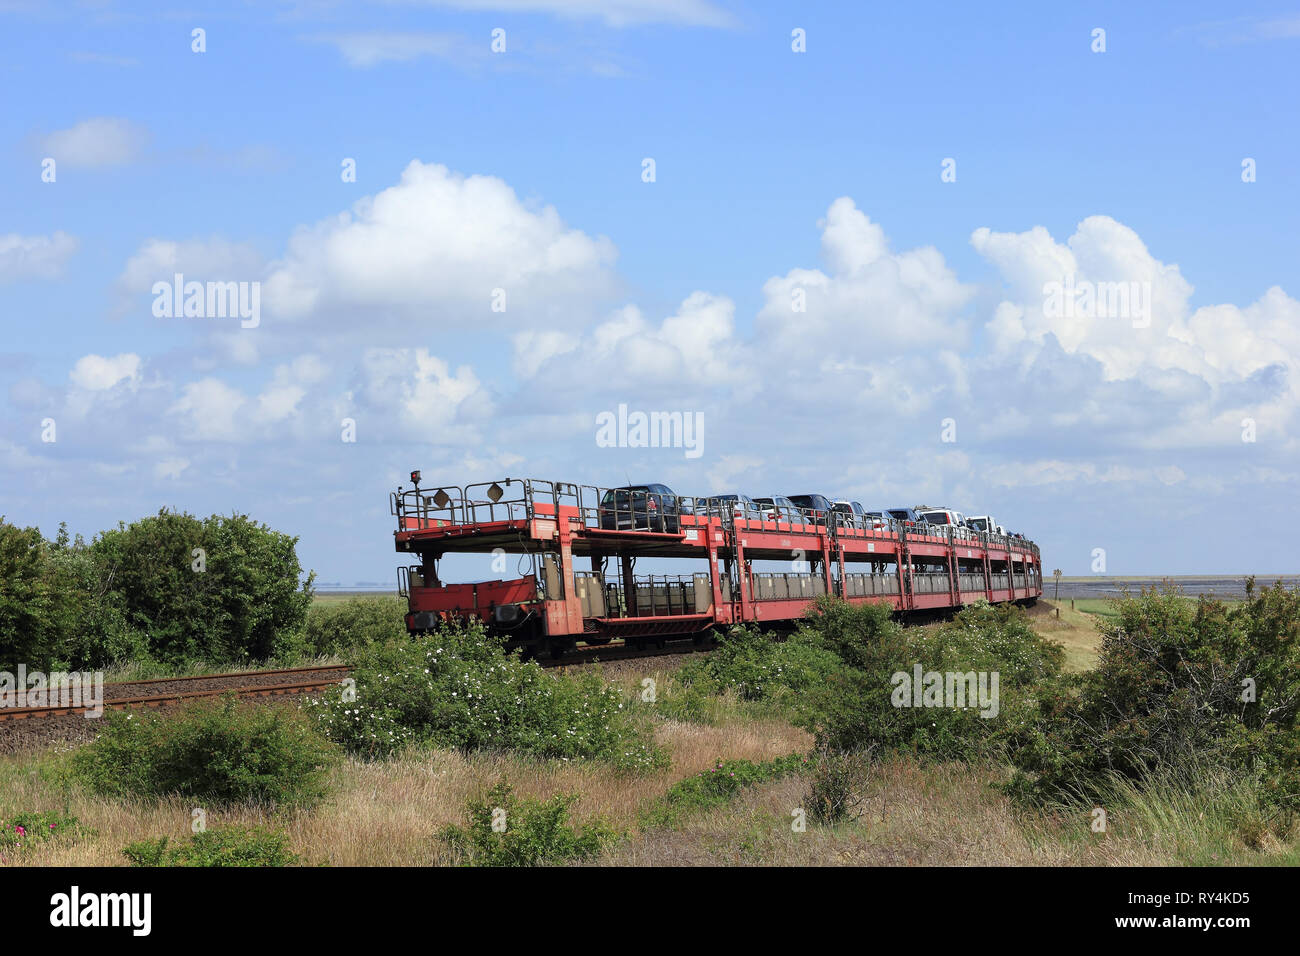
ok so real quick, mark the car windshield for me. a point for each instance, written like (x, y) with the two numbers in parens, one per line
(621, 496)
(900, 514)
(979, 524)
(936, 517)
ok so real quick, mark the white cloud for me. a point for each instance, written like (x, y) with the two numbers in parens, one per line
(208, 409)
(34, 257)
(1218, 363)
(364, 50)
(97, 373)
(101, 141)
(873, 301)
(170, 468)
(696, 345)
(1055, 472)
(418, 390)
(439, 237)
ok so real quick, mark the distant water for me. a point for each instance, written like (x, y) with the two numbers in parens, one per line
(1222, 585)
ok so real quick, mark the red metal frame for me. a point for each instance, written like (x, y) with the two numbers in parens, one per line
(549, 518)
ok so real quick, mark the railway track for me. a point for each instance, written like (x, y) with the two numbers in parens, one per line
(169, 690)
(620, 650)
(161, 691)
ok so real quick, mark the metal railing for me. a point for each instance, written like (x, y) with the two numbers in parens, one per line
(619, 509)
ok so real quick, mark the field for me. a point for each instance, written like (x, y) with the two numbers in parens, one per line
(910, 811)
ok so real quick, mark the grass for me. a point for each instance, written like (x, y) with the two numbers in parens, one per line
(338, 597)
(389, 813)
(1075, 630)
(384, 813)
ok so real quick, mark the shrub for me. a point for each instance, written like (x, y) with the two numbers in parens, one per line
(459, 688)
(1178, 686)
(91, 624)
(758, 667)
(245, 600)
(222, 752)
(715, 787)
(834, 780)
(29, 829)
(29, 598)
(220, 846)
(854, 708)
(354, 623)
(529, 832)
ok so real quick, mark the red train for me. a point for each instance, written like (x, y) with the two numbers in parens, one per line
(549, 527)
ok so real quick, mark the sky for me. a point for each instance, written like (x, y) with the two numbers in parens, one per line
(1039, 261)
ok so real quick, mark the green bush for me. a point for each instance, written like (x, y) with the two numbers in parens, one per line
(529, 832)
(759, 668)
(240, 607)
(854, 708)
(31, 602)
(354, 623)
(30, 829)
(715, 787)
(220, 846)
(133, 594)
(1172, 694)
(459, 688)
(220, 752)
(90, 619)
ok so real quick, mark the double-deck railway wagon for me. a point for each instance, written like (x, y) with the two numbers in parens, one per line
(578, 546)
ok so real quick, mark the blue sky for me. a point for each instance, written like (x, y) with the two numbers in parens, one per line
(775, 171)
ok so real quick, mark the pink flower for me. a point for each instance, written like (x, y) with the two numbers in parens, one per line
(19, 830)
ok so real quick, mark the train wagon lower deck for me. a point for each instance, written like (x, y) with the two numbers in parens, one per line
(577, 551)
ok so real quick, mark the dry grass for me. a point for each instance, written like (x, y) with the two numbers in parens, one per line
(386, 814)
(1074, 630)
(913, 815)
(390, 813)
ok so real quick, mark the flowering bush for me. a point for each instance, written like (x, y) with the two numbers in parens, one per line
(28, 829)
(459, 688)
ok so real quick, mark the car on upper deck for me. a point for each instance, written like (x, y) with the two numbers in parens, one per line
(653, 507)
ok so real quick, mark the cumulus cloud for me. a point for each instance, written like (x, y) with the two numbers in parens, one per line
(34, 257)
(97, 373)
(203, 260)
(872, 300)
(101, 141)
(1217, 362)
(419, 389)
(208, 410)
(439, 245)
(696, 345)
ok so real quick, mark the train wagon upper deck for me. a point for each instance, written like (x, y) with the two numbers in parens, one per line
(555, 528)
